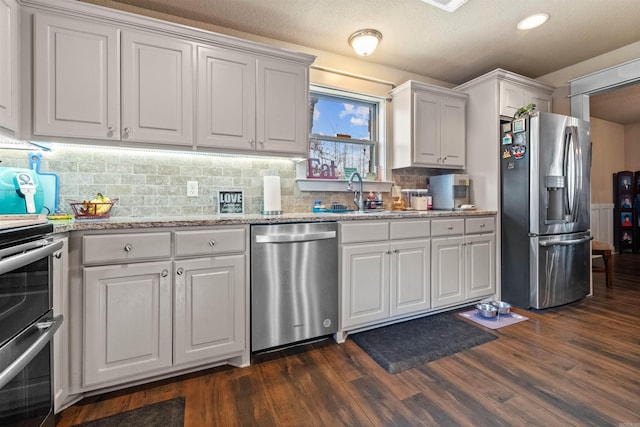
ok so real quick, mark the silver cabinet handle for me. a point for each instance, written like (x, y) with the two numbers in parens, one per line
(180, 271)
(128, 247)
(212, 243)
(164, 273)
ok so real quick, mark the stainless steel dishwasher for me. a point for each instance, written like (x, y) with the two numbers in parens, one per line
(294, 283)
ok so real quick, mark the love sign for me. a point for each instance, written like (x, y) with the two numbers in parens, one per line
(230, 202)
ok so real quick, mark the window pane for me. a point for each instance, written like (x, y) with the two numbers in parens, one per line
(340, 116)
(344, 155)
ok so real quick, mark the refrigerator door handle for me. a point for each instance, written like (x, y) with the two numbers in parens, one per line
(565, 242)
(572, 158)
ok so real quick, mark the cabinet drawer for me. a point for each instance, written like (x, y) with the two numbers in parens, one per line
(447, 227)
(125, 247)
(479, 225)
(208, 242)
(369, 231)
(408, 229)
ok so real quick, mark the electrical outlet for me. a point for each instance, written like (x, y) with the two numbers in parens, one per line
(192, 188)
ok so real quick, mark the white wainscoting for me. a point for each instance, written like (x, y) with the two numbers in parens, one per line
(602, 222)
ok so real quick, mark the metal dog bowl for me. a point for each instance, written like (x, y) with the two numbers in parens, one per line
(503, 307)
(487, 310)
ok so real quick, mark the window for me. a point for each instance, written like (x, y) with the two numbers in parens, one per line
(345, 130)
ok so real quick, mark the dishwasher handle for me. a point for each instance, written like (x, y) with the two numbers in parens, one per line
(287, 238)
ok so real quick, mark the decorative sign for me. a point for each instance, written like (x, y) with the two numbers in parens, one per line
(230, 202)
(321, 171)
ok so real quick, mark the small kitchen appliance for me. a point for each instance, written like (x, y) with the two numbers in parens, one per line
(449, 191)
(20, 191)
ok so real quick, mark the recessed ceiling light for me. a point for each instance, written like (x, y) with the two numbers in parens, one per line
(533, 21)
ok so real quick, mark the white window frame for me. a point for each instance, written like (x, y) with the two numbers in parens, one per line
(380, 125)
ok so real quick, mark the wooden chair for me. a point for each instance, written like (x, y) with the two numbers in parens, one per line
(601, 249)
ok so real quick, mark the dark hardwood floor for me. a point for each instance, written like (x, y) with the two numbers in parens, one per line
(575, 365)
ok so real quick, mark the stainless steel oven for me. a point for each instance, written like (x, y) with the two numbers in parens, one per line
(27, 326)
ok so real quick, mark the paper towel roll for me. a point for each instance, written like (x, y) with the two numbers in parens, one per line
(272, 202)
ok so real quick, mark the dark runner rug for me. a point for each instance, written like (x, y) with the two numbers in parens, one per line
(409, 344)
(169, 413)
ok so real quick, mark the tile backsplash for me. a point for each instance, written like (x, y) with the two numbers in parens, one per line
(153, 183)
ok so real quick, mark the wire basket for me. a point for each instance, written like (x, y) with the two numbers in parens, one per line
(92, 210)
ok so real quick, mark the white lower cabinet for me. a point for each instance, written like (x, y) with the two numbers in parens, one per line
(385, 278)
(463, 260)
(157, 303)
(60, 293)
(127, 328)
(209, 299)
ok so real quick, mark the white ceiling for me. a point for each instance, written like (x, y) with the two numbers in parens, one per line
(417, 37)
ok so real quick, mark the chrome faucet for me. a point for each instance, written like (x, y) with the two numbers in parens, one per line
(357, 199)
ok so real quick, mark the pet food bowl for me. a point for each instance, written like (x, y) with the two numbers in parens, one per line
(503, 307)
(487, 310)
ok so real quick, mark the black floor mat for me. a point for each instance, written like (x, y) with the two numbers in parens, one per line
(409, 344)
(169, 413)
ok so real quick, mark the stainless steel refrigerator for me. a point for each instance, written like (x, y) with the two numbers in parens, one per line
(545, 208)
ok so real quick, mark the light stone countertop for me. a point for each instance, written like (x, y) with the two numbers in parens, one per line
(231, 219)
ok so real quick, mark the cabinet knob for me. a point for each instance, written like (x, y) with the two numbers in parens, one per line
(58, 255)
(164, 273)
(262, 142)
(212, 242)
(450, 227)
(481, 225)
(444, 158)
(126, 131)
(110, 131)
(180, 271)
(128, 247)
(388, 252)
(395, 251)
(251, 142)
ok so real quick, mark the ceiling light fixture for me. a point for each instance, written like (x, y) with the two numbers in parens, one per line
(533, 21)
(364, 42)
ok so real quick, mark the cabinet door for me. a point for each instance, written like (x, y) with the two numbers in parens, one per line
(127, 321)
(426, 128)
(542, 101)
(157, 89)
(60, 293)
(76, 78)
(282, 107)
(210, 301)
(514, 96)
(365, 283)
(410, 276)
(453, 134)
(447, 271)
(9, 64)
(226, 99)
(480, 265)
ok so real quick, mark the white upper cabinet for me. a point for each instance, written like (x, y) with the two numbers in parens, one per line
(226, 99)
(8, 65)
(251, 103)
(282, 107)
(152, 82)
(428, 126)
(76, 78)
(157, 89)
(514, 96)
(79, 79)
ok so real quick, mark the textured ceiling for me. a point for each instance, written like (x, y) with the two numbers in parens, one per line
(417, 37)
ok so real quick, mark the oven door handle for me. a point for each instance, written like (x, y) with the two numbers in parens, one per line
(46, 329)
(14, 262)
